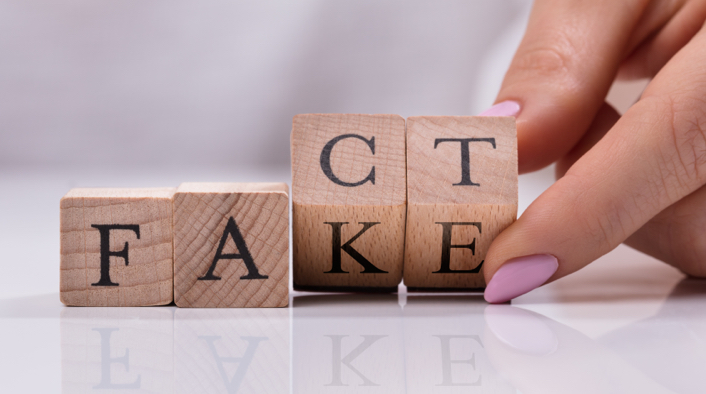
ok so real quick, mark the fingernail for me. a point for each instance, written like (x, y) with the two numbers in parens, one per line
(506, 108)
(520, 275)
(522, 330)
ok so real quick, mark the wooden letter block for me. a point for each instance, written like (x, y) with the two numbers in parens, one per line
(231, 245)
(462, 192)
(348, 201)
(116, 247)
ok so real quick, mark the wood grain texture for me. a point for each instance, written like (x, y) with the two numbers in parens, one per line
(317, 199)
(382, 245)
(147, 280)
(434, 166)
(201, 214)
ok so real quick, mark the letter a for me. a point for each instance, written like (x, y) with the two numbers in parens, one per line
(232, 230)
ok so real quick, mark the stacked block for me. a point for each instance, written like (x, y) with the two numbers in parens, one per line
(349, 201)
(462, 192)
(374, 198)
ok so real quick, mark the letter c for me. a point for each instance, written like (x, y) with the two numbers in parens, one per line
(326, 160)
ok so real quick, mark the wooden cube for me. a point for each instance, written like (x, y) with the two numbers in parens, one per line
(462, 192)
(231, 245)
(116, 247)
(348, 201)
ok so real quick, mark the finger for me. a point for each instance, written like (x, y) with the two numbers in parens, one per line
(651, 55)
(657, 13)
(676, 235)
(562, 71)
(605, 119)
(654, 156)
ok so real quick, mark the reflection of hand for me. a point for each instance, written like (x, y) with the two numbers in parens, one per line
(637, 178)
(671, 345)
(539, 355)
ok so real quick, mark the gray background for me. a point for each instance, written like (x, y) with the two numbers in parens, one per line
(180, 83)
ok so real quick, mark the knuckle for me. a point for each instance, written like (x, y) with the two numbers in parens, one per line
(609, 226)
(687, 129)
(605, 230)
(678, 123)
(552, 57)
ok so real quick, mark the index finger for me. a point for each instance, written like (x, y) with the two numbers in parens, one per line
(562, 71)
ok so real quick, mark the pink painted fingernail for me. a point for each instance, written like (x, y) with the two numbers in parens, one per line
(506, 108)
(520, 275)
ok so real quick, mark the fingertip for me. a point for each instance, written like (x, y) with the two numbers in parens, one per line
(504, 108)
(520, 275)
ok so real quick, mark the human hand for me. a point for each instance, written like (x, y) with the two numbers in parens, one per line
(638, 178)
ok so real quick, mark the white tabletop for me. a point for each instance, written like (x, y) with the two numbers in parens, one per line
(626, 323)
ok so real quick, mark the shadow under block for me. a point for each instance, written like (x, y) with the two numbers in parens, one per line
(462, 192)
(116, 247)
(348, 201)
(231, 245)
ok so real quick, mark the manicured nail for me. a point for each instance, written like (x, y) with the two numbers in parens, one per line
(506, 108)
(520, 275)
(521, 330)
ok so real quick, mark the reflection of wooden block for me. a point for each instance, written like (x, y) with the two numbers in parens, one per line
(117, 350)
(348, 201)
(445, 348)
(244, 350)
(348, 344)
(116, 247)
(231, 245)
(462, 192)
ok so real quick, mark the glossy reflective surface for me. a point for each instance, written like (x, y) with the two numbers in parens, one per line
(624, 324)
(574, 337)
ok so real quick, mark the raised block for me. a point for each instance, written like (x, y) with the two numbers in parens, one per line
(348, 201)
(231, 245)
(462, 192)
(116, 247)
